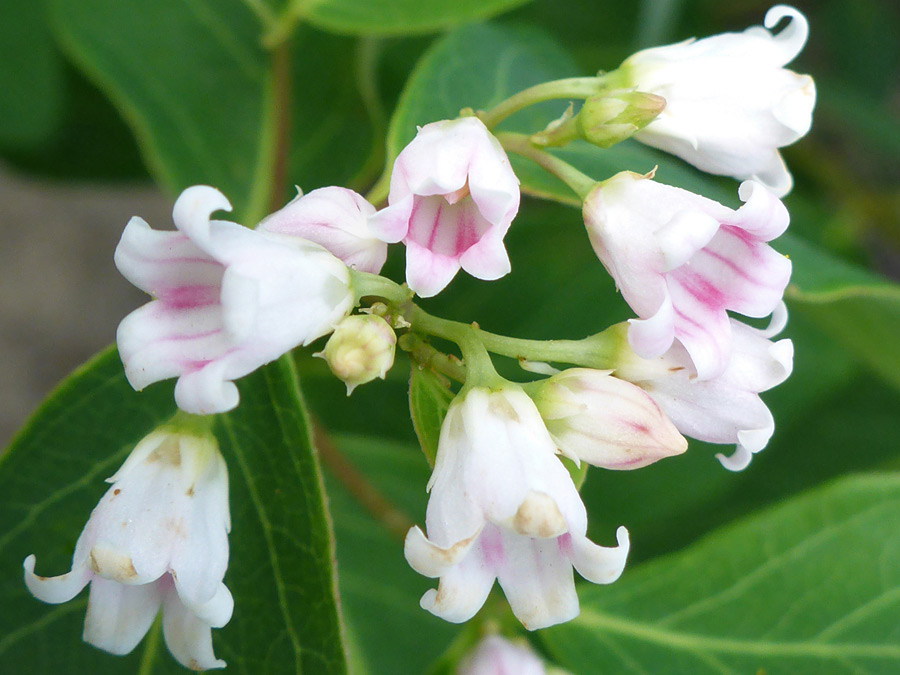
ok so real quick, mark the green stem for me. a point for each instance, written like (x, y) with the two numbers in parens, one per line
(281, 103)
(428, 357)
(580, 183)
(572, 88)
(597, 351)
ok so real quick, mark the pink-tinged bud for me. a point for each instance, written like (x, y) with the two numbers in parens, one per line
(360, 350)
(604, 421)
(337, 219)
(226, 300)
(682, 261)
(504, 507)
(453, 196)
(495, 655)
(730, 102)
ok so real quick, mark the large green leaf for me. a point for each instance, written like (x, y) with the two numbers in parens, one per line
(397, 17)
(808, 587)
(388, 631)
(30, 75)
(197, 87)
(281, 569)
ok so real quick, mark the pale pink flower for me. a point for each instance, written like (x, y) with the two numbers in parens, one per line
(604, 421)
(337, 219)
(727, 408)
(158, 539)
(453, 196)
(504, 507)
(730, 102)
(227, 300)
(682, 261)
(495, 655)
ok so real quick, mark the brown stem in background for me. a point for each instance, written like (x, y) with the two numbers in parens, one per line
(281, 103)
(366, 495)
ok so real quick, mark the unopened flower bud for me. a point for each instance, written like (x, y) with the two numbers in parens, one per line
(602, 420)
(605, 120)
(360, 349)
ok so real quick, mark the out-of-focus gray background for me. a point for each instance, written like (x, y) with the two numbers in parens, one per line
(61, 297)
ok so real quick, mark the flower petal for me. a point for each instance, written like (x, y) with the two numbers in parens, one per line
(119, 616)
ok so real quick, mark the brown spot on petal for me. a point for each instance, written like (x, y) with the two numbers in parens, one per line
(168, 452)
(111, 564)
(190, 491)
(500, 407)
(675, 369)
(539, 516)
(194, 665)
(117, 492)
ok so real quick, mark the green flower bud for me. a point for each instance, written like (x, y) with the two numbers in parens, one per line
(605, 120)
(360, 349)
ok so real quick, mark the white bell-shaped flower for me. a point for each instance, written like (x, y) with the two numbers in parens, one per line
(725, 409)
(227, 300)
(157, 539)
(504, 507)
(730, 102)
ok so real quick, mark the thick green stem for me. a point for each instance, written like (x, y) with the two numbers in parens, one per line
(571, 88)
(580, 183)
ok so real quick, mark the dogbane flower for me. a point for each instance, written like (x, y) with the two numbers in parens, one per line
(453, 196)
(227, 300)
(337, 219)
(157, 539)
(681, 260)
(727, 408)
(604, 421)
(504, 507)
(730, 102)
(495, 655)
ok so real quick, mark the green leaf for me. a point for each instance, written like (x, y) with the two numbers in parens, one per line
(478, 66)
(281, 569)
(855, 307)
(429, 398)
(388, 631)
(30, 75)
(398, 17)
(808, 587)
(196, 86)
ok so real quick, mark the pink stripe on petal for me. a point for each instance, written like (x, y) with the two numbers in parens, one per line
(190, 297)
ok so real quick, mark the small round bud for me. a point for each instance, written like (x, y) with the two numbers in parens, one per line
(360, 349)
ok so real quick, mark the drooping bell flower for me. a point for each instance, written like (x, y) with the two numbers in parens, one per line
(682, 261)
(730, 101)
(158, 539)
(453, 196)
(504, 507)
(227, 300)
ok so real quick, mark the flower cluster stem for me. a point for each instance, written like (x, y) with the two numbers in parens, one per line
(580, 183)
(596, 351)
(571, 88)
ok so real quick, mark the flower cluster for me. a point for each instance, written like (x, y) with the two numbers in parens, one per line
(504, 498)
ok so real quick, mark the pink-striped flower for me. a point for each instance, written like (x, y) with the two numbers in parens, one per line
(337, 219)
(227, 300)
(453, 196)
(682, 261)
(726, 409)
(504, 507)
